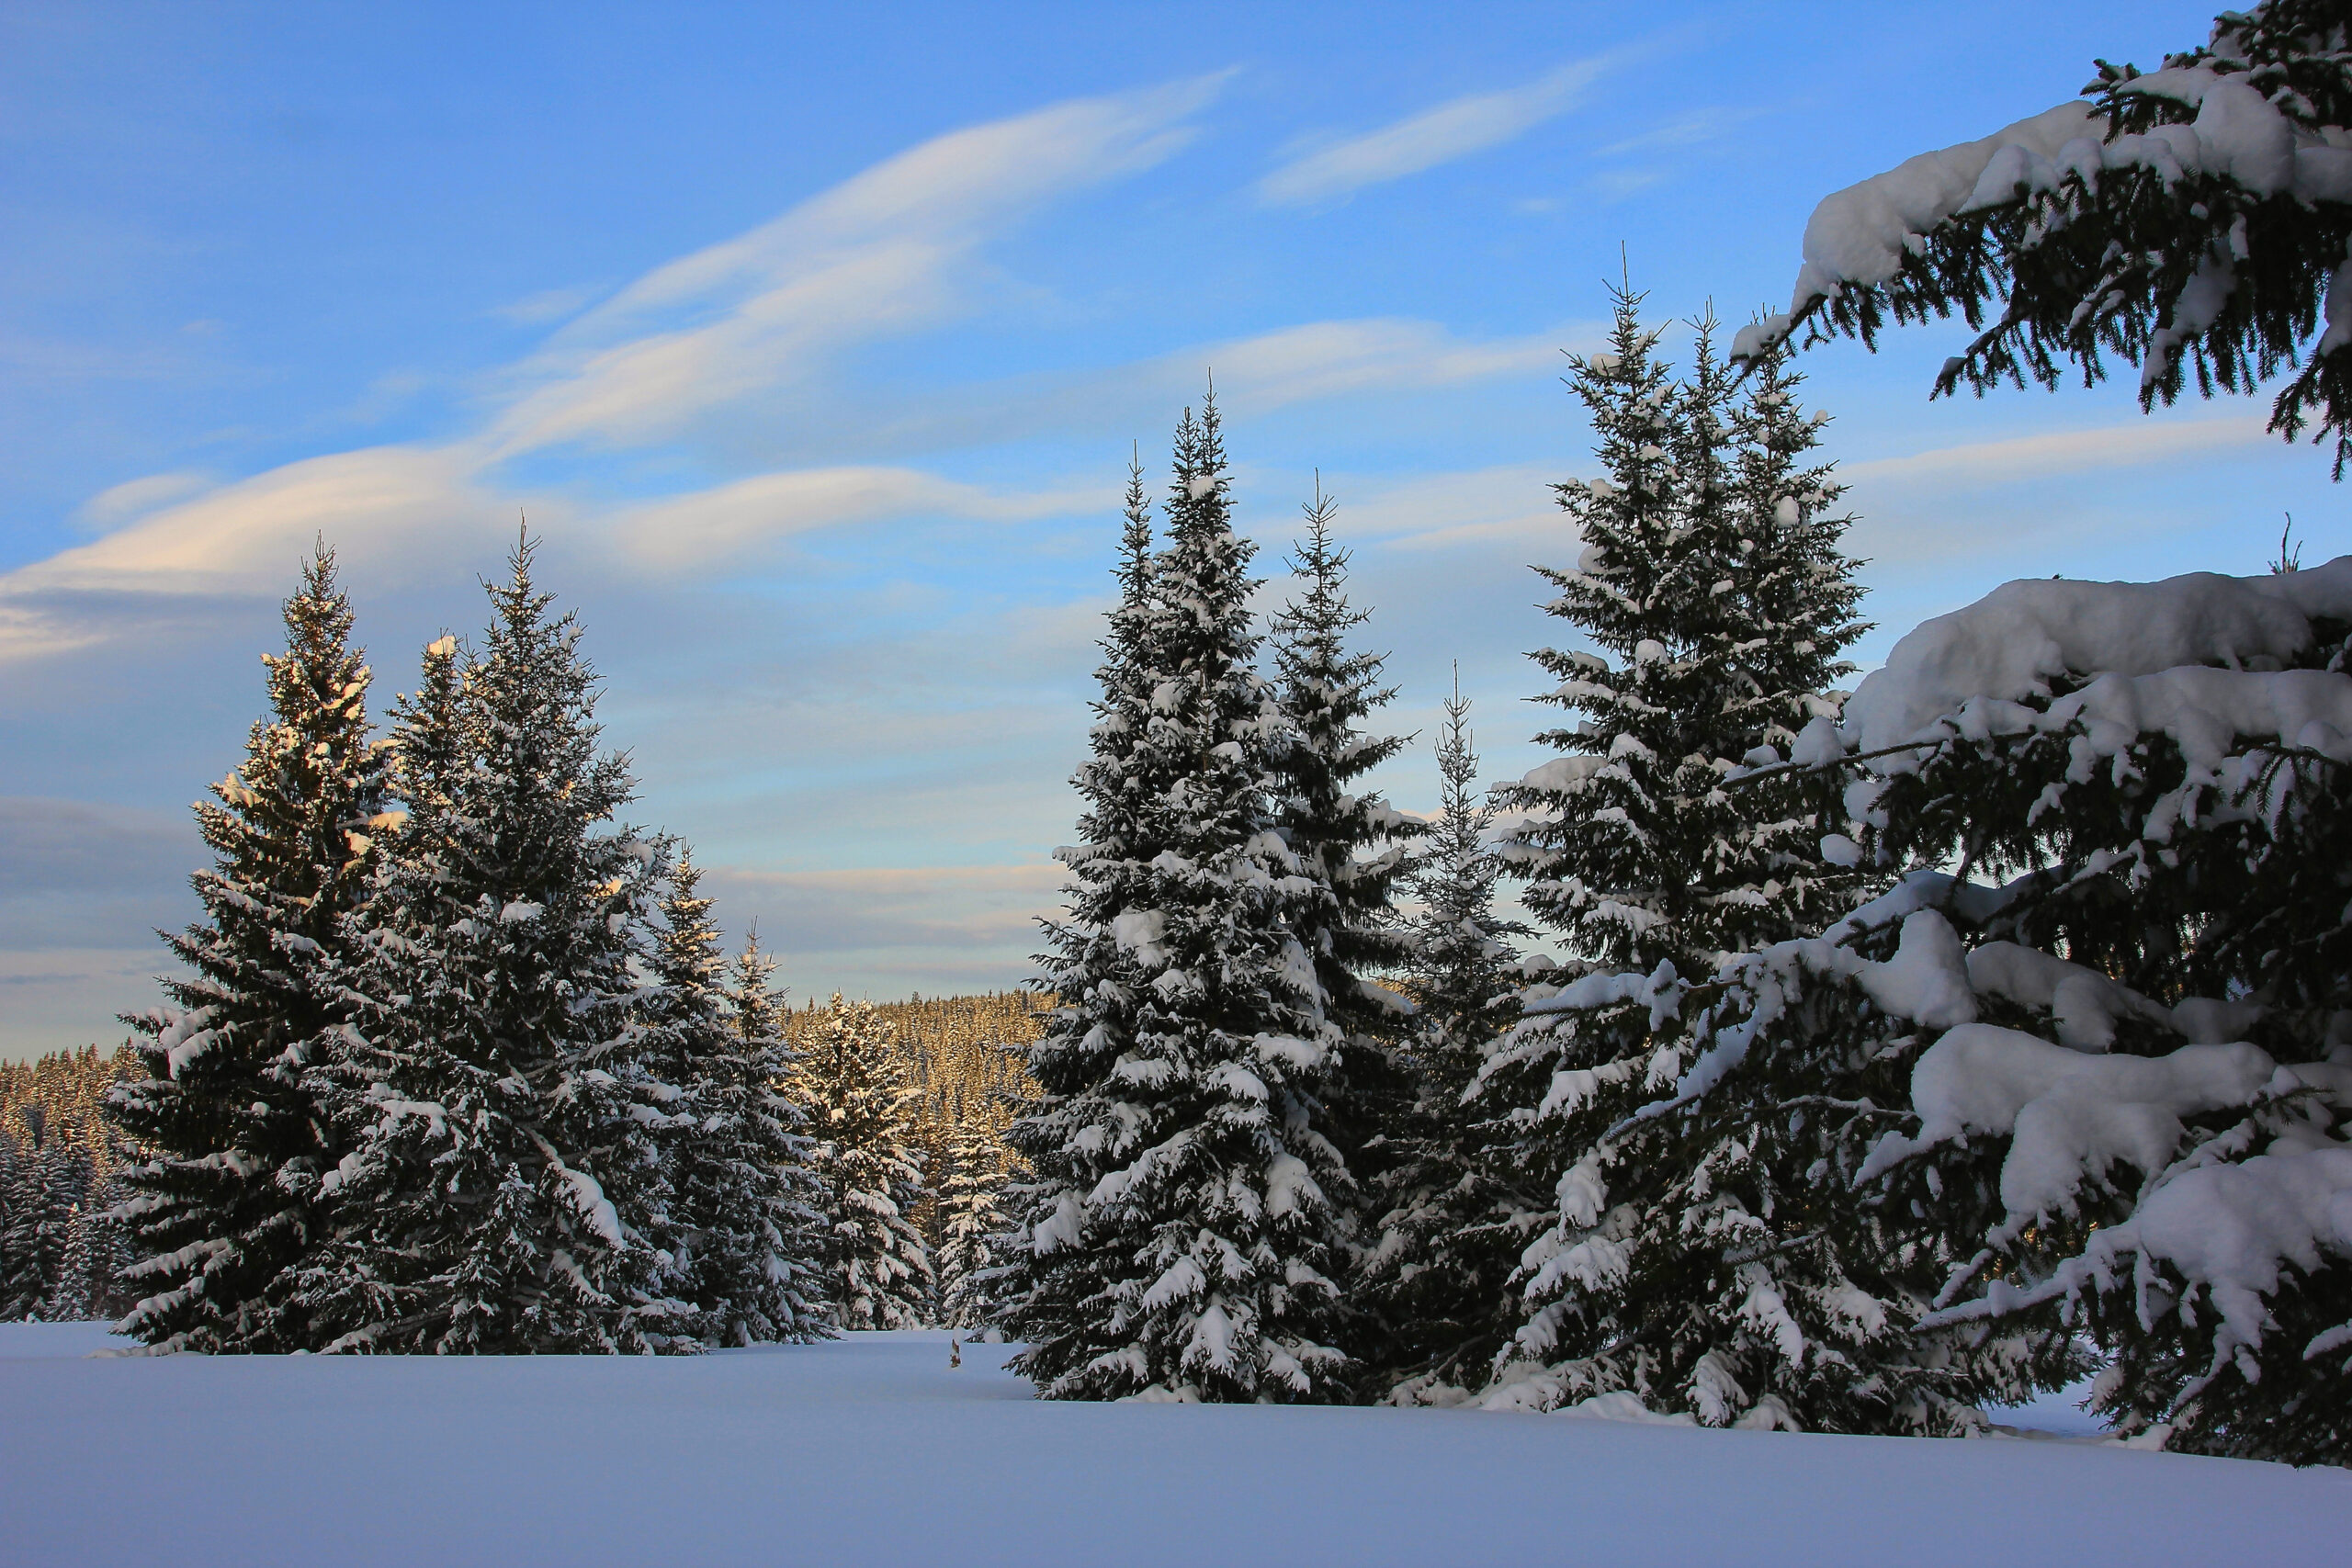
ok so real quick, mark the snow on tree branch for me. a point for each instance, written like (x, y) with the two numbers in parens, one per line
(2195, 218)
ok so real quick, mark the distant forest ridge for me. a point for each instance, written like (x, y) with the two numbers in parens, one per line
(950, 1044)
(953, 1048)
(55, 1098)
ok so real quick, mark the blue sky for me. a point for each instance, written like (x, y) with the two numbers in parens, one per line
(814, 342)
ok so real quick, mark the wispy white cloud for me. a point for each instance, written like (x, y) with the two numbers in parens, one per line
(885, 251)
(689, 530)
(1324, 359)
(1435, 136)
(1254, 374)
(395, 513)
(651, 387)
(547, 305)
(950, 187)
(1428, 512)
(381, 505)
(112, 507)
(1689, 130)
(394, 510)
(1616, 185)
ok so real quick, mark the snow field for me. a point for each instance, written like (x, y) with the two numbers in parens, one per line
(870, 1451)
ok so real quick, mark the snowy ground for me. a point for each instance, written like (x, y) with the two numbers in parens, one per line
(869, 1450)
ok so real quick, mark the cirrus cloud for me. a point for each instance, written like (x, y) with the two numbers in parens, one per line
(1450, 130)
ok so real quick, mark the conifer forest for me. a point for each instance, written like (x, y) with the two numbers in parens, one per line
(1805, 1044)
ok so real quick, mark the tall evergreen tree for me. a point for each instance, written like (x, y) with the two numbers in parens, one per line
(1451, 1223)
(505, 1192)
(232, 1199)
(1712, 571)
(1684, 1260)
(1053, 1290)
(878, 1272)
(1786, 624)
(96, 1253)
(44, 1189)
(971, 1204)
(741, 1223)
(1350, 840)
(1617, 831)
(1350, 845)
(1186, 1217)
(13, 1200)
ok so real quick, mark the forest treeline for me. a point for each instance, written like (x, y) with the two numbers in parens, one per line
(62, 1251)
(61, 1258)
(963, 1058)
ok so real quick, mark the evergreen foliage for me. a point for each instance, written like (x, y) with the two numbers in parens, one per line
(1617, 835)
(41, 1190)
(66, 1092)
(58, 1163)
(1708, 1256)
(1350, 846)
(971, 1204)
(1186, 1213)
(2148, 1019)
(1689, 1259)
(1712, 585)
(741, 1223)
(506, 1191)
(1783, 625)
(1347, 839)
(1450, 1223)
(2197, 216)
(964, 1057)
(19, 1277)
(91, 1281)
(232, 1198)
(878, 1272)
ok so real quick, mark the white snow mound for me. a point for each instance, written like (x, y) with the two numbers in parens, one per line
(2006, 645)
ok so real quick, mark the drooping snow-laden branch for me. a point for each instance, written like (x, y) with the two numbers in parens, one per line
(2195, 217)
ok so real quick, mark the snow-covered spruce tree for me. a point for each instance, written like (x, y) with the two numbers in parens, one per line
(1688, 1263)
(2193, 215)
(971, 1216)
(735, 1146)
(1784, 627)
(13, 1199)
(878, 1272)
(231, 1199)
(45, 1186)
(1054, 1291)
(2103, 1096)
(504, 1191)
(2139, 1125)
(1449, 1224)
(1350, 840)
(1351, 846)
(98, 1252)
(1614, 836)
(1182, 1229)
(1713, 584)
(1712, 1256)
